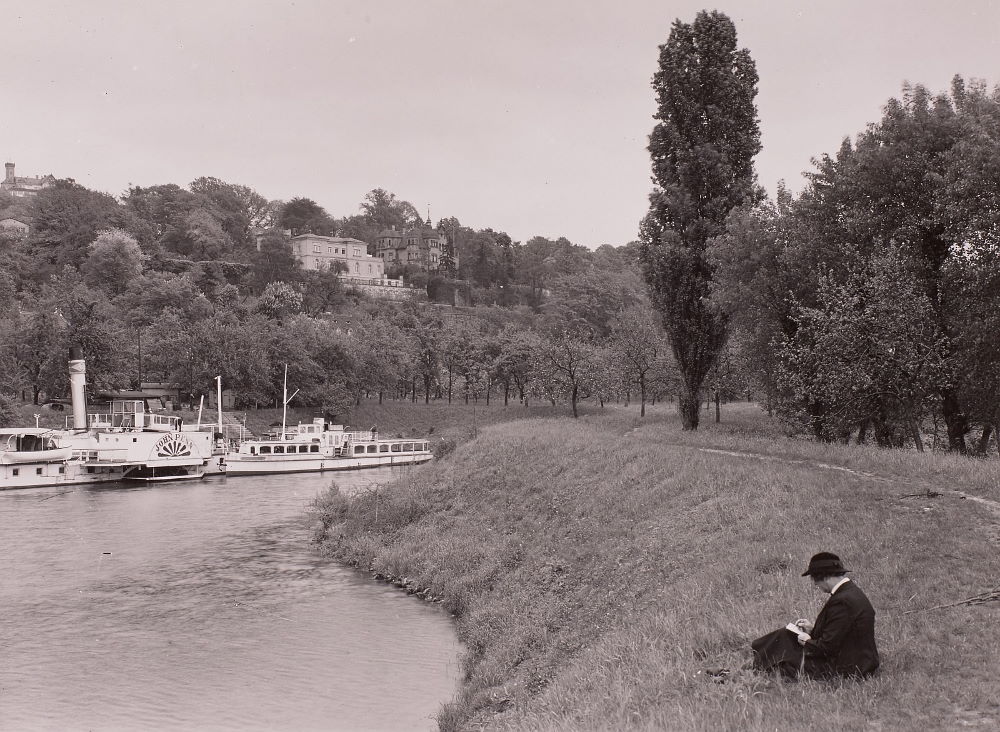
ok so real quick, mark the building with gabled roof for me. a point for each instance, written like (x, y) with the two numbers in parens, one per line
(421, 246)
(22, 186)
(14, 226)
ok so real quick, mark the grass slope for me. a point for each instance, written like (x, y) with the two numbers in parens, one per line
(598, 567)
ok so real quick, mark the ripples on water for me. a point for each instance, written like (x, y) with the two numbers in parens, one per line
(201, 606)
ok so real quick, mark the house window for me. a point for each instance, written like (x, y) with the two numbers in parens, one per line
(317, 249)
(329, 250)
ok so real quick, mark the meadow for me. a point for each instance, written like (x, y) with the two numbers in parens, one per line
(610, 572)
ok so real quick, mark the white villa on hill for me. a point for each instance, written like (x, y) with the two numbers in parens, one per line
(319, 252)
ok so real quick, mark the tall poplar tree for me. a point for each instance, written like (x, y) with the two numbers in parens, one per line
(702, 150)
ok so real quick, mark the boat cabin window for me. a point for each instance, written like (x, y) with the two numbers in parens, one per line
(303, 448)
(265, 449)
(280, 448)
(253, 450)
(359, 449)
(395, 447)
(383, 448)
(407, 447)
(373, 448)
(314, 448)
(17, 471)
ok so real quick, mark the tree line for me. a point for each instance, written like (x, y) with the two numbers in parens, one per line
(865, 307)
(168, 284)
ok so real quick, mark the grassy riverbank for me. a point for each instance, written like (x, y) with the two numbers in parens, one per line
(598, 567)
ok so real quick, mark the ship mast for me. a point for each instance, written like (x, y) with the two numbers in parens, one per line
(286, 399)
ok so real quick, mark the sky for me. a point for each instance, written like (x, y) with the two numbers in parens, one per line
(526, 116)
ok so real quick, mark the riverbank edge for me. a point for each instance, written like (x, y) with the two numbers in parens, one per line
(411, 537)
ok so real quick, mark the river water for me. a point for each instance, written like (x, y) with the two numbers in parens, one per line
(202, 606)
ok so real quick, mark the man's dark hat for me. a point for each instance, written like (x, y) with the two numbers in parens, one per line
(825, 563)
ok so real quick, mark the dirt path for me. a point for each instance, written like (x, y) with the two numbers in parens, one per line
(931, 490)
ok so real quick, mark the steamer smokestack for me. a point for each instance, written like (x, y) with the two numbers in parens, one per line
(77, 385)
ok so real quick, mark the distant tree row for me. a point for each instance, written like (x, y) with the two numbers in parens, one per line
(600, 344)
(181, 285)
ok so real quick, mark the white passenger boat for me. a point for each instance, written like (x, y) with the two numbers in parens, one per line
(125, 443)
(320, 446)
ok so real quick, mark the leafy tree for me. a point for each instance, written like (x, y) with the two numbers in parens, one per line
(151, 295)
(427, 351)
(12, 372)
(766, 265)
(564, 364)
(592, 296)
(871, 352)
(906, 183)
(37, 340)
(8, 292)
(305, 216)
(8, 413)
(90, 322)
(702, 151)
(384, 210)
(115, 260)
(454, 347)
(66, 219)
(379, 358)
(279, 300)
(513, 362)
(541, 260)
(244, 209)
(636, 343)
(322, 289)
(274, 261)
(204, 237)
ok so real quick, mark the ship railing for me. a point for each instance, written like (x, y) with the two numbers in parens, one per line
(365, 436)
(97, 421)
(162, 422)
(104, 455)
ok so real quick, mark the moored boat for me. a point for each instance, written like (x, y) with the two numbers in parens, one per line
(321, 446)
(125, 443)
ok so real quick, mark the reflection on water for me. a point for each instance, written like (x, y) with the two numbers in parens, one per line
(201, 606)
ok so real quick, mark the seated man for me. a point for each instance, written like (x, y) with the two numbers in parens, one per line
(840, 643)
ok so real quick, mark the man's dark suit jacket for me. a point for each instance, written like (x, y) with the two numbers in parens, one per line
(843, 638)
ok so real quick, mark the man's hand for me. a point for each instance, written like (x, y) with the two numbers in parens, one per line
(803, 637)
(805, 625)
